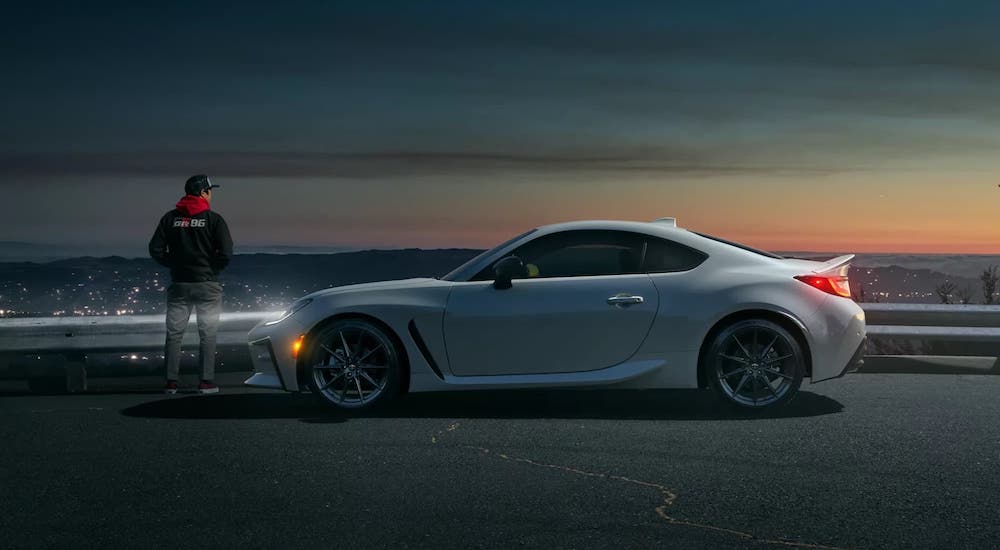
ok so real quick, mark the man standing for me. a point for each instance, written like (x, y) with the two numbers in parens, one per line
(194, 243)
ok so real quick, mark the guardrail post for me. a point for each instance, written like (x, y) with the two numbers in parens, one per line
(76, 373)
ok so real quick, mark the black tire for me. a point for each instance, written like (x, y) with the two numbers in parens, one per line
(343, 382)
(754, 364)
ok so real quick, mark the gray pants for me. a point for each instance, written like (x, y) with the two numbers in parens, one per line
(206, 299)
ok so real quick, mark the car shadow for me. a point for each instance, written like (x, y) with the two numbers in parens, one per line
(513, 404)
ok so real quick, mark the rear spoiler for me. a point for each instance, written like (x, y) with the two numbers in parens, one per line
(840, 263)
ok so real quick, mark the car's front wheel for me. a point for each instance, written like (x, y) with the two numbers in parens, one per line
(353, 364)
(755, 364)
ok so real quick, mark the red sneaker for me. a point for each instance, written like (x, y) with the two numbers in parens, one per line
(171, 387)
(207, 386)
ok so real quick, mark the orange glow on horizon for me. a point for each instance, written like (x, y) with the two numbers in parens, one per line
(906, 212)
(778, 242)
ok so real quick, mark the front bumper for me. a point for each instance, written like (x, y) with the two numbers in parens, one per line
(271, 353)
(266, 372)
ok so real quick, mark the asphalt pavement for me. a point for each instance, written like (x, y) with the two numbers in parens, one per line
(867, 461)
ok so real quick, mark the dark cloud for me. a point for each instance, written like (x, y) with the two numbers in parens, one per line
(853, 34)
(15, 168)
(260, 75)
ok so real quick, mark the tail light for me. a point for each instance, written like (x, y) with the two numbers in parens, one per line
(837, 285)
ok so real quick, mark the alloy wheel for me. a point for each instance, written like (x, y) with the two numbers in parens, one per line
(352, 365)
(757, 364)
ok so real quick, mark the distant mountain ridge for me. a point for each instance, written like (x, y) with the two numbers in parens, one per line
(969, 266)
(16, 251)
(955, 265)
(253, 282)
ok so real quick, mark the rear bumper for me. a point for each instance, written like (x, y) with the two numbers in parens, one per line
(838, 334)
(857, 360)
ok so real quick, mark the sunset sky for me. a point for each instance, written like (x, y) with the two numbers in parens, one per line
(835, 126)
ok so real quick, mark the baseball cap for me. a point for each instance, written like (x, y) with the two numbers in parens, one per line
(196, 184)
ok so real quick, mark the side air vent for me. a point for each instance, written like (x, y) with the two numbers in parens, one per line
(422, 346)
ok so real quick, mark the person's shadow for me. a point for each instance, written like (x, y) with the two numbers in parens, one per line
(514, 404)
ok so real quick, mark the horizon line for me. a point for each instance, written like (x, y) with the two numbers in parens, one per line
(354, 249)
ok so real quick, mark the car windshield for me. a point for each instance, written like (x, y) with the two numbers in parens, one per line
(460, 269)
(740, 246)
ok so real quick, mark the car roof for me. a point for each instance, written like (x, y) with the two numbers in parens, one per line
(620, 225)
(656, 229)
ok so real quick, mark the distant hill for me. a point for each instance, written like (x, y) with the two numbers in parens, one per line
(902, 285)
(969, 266)
(252, 281)
(16, 251)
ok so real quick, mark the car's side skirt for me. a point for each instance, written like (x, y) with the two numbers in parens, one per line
(676, 370)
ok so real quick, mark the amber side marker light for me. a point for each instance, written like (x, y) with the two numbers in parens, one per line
(297, 345)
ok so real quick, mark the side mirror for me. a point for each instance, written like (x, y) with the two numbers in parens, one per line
(506, 270)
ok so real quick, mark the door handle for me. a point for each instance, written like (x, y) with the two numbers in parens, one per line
(623, 300)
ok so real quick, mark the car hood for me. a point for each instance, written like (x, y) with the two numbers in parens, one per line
(381, 285)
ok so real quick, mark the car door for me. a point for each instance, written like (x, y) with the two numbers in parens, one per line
(584, 306)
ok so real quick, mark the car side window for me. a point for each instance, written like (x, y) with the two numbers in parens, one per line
(579, 253)
(586, 260)
(664, 256)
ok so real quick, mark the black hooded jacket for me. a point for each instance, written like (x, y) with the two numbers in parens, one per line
(193, 241)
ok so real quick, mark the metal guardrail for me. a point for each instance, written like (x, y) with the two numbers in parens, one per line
(74, 337)
(114, 333)
(943, 315)
(934, 322)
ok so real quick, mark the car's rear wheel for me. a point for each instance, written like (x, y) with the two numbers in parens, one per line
(353, 364)
(755, 364)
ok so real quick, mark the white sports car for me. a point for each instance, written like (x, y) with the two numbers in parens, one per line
(592, 303)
